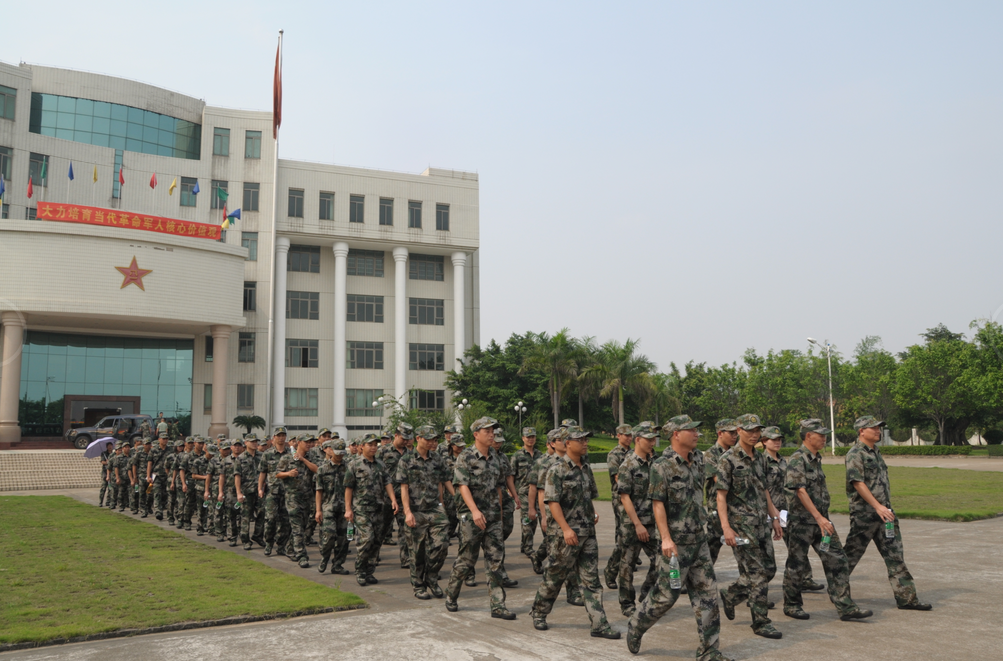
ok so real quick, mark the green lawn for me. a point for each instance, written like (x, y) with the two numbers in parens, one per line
(70, 569)
(917, 493)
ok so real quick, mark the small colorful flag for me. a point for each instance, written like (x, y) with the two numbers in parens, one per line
(45, 166)
(195, 191)
(121, 176)
(31, 189)
(3, 189)
(231, 219)
(153, 180)
(71, 170)
(226, 222)
(95, 174)
(174, 184)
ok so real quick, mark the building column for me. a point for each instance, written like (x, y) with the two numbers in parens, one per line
(10, 376)
(220, 361)
(459, 307)
(400, 324)
(279, 334)
(340, 343)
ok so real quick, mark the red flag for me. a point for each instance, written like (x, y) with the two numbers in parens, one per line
(277, 92)
(121, 175)
(153, 180)
(30, 189)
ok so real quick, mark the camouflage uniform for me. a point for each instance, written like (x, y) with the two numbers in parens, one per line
(316, 457)
(158, 468)
(330, 481)
(105, 456)
(192, 500)
(428, 540)
(776, 471)
(522, 466)
(173, 486)
(214, 467)
(711, 457)
(743, 479)
(804, 471)
(276, 517)
(449, 502)
(573, 487)
(633, 477)
(613, 461)
(679, 485)
(367, 480)
(251, 512)
(200, 466)
(137, 463)
(118, 481)
(298, 490)
(864, 464)
(146, 430)
(482, 475)
(228, 517)
(390, 455)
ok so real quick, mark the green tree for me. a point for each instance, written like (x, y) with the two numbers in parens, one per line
(554, 357)
(868, 382)
(620, 370)
(660, 401)
(249, 422)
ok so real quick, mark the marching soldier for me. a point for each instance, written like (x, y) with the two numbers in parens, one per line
(624, 438)
(296, 473)
(227, 513)
(390, 454)
(454, 446)
(637, 527)
(156, 473)
(329, 502)
(276, 517)
(366, 485)
(727, 435)
(246, 481)
(522, 465)
(109, 452)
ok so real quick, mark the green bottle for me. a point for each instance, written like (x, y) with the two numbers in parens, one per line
(675, 582)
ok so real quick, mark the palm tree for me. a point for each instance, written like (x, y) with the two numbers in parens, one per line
(620, 370)
(555, 357)
(585, 357)
(249, 422)
(660, 398)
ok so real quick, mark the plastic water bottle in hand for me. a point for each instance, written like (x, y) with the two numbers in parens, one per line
(675, 580)
(824, 546)
(739, 541)
(350, 533)
(890, 529)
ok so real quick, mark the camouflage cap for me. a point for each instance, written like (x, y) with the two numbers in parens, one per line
(137, 441)
(458, 441)
(306, 438)
(428, 432)
(369, 438)
(499, 435)
(224, 445)
(483, 423)
(338, 445)
(405, 430)
(529, 432)
(624, 429)
(335, 435)
(211, 447)
(385, 436)
(179, 443)
(237, 441)
(198, 439)
(749, 421)
(220, 437)
(147, 441)
(554, 435)
(324, 430)
(646, 429)
(773, 433)
(454, 428)
(279, 430)
(867, 421)
(354, 441)
(569, 422)
(162, 434)
(727, 424)
(573, 432)
(815, 425)
(680, 423)
(250, 437)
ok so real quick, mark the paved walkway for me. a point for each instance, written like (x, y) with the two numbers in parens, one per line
(994, 464)
(958, 567)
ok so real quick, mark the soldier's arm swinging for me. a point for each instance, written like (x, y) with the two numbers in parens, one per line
(722, 513)
(236, 483)
(510, 481)
(222, 481)
(542, 506)
(823, 523)
(774, 513)
(475, 514)
(448, 486)
(349, 514)
(662, 523)
(393, 497)
(570, 538)
(531, 505)
(406, 503)
(628, 506)
(261, 485)
(318, 506)
(865, 493)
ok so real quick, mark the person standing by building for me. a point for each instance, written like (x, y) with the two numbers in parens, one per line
(676, 484)
(329, 502)
(366, 485)
(162, 426)
(246, 479)
(638, 530)
(869, 493)
(808, 526)
(138, 491)
(624, 439)
(156, 473)
(296, 473)
(276, 517)
(109, 452)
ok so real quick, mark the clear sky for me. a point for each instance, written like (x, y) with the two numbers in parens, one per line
(705, 176)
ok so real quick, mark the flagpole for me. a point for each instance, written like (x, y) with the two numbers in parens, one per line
(269, 413)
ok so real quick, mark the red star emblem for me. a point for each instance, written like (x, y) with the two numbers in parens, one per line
(133, 274)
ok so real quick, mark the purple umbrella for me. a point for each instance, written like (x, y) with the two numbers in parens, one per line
(95, 449)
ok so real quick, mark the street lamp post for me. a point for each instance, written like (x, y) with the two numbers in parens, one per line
(384, 402)
(832, 409)
(520, 409)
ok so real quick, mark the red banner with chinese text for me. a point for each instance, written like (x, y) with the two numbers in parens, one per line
(76, 213)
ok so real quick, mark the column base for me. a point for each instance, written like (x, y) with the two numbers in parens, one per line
(217, 428)
(10, 434)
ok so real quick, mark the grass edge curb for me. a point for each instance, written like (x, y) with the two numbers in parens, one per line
(180, 626)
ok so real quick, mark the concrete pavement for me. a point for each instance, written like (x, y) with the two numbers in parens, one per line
(957, 567)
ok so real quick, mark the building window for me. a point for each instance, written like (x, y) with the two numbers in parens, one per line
(365, 308)
(38, 168)
(356, 208)
(208, 348)
(31, 213)
(301, 402)
(327, 206)
(8, 99)
(442, 217)
(252, 144)
(5, 211)
(425, 267)
(365, 262)
(365, 355)
(245, 396)
(250, 296)
(249, 240)
(304, 259)
(207, 398)
(245, 347)
(116, 185)
(6, 159)
(295, 203)
(251, 192)
(428, 400)
(302, 305)
(188, 193)
(386, 211)
(426, 312)
(427, 357)
(414, 215)
(301, 353)
(217, 199)
(359, 403)
(220, 142)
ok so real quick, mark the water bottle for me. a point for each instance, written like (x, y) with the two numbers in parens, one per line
(525, 520)
(351, 531)
(236, 505)
(219, 504)
(136, 488)
(675, 581)
(824, 546)
(205, 503)
(739, 541)
(890, 529)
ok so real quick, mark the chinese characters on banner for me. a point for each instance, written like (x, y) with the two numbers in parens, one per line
(76, 213)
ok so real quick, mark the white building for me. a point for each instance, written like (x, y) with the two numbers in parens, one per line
(376, 272)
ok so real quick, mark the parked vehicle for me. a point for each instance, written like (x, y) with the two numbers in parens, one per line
(119, 427)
